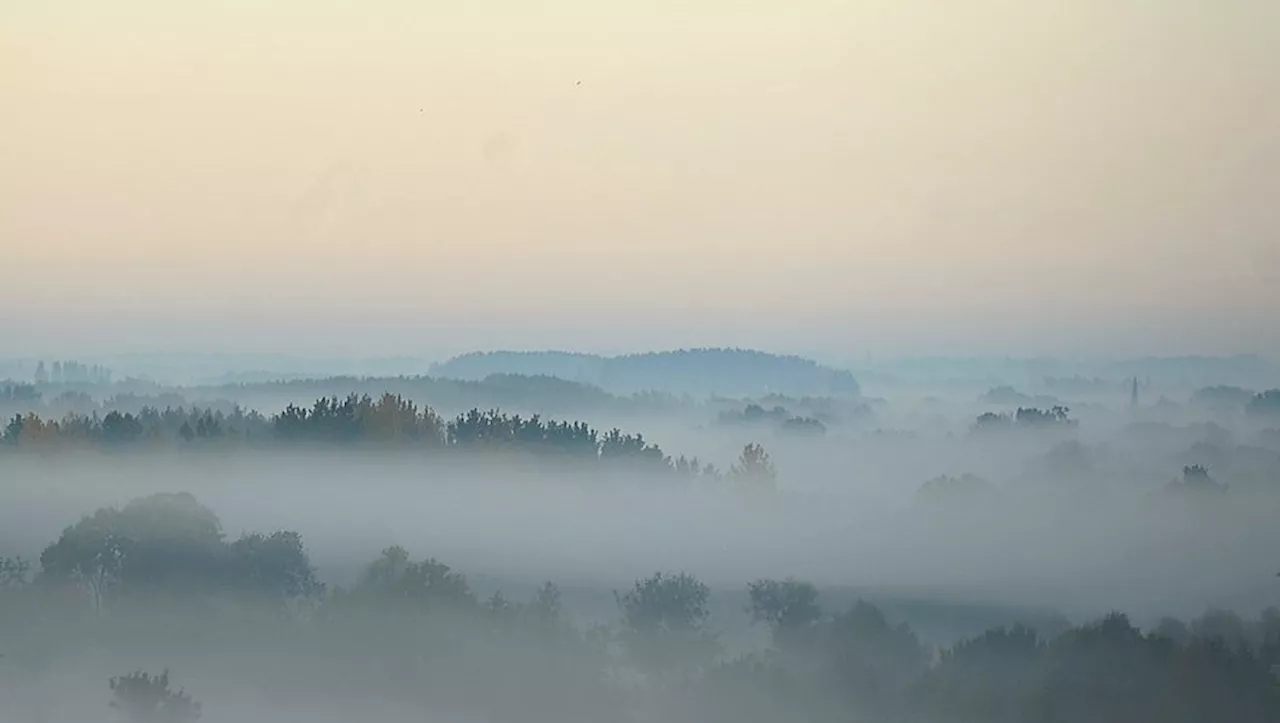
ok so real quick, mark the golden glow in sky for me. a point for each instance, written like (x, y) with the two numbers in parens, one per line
(426, 177)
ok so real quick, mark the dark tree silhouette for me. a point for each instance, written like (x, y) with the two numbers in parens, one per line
(144, 698)
(664, 621)
(789, 607)
(1265, 406)
(754, 469)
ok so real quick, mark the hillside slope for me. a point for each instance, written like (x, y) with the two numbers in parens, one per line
(733, 372)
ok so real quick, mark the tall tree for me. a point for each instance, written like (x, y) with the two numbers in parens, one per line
(755, 469)
(664, 624)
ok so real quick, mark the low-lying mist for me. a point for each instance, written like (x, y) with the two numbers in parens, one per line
(1084, 551)
(935, 559)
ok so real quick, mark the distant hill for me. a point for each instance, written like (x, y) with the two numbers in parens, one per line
(534, 393)
(698, 372)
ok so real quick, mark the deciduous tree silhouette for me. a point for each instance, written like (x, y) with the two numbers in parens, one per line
(754, 469)
(144, 698)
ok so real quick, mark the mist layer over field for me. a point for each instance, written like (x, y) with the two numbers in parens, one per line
(1086, 551)
(757, 556)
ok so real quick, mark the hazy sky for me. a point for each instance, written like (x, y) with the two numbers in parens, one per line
(382, 177)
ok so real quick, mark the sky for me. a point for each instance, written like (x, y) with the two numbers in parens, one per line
(828, 176)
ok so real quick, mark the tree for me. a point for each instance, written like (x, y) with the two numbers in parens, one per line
(804, 426)
(545, 607)
(19, 393)
(632, 450)
(88, 554)
(991, 421)
(872, 659)
(172, 542)
(1223, 626)
(1222, 398)
(13, 430)
(754, 469)
(1265, 406)
(144, 698)
(1032, 417)
(787, 606)
(989, 678)
(1173, 630)
(169, 515)
(275, 566)
(1196, 480)
(394, 578)
(120, 428)
(664, 620)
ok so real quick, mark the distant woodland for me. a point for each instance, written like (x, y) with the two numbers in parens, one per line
(159, 574)
(413, 633)
(733, 372)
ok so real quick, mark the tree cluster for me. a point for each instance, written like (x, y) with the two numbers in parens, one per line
(778, 417)
(171, 542)
(1265, 405)
(858, 663)
(145, 698)
(417, 632)
(71, 372)
(1056, 417)
(386, 421)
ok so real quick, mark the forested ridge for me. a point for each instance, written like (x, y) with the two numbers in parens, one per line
(713, 370)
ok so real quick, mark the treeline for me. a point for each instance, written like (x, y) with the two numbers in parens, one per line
(1262, 405)
(71, 372)
(20, 398)
(498, 390)
(777, 417)
(1265, 405)
(390, 421)
(415, 632)
(969, 490)
(1056, 417)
